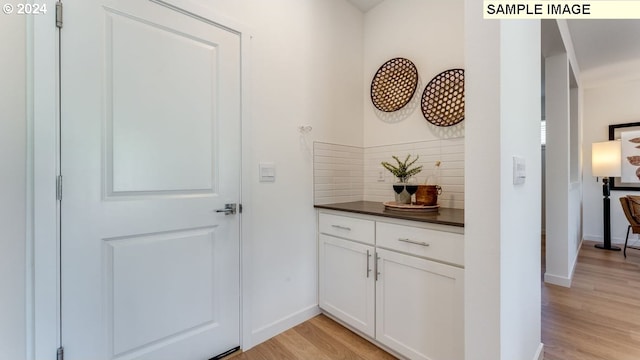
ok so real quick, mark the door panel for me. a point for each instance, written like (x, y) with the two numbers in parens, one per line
(163, 106)
(157, 292)
(150, 144)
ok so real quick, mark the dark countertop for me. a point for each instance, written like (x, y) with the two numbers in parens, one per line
(445, 216)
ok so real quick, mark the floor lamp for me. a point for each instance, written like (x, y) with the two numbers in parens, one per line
(606, 163)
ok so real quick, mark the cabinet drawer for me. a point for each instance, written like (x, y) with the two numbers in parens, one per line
(438, 245)
(347, 227)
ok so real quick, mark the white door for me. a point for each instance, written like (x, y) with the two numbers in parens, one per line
(150, 149)
(347, 282)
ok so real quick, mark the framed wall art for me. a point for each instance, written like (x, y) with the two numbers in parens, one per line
(629, 135)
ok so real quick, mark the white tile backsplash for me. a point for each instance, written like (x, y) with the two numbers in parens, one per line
(348, 173)
(338, 173)
(451, 173)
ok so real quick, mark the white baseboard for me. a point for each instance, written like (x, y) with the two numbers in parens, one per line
(268, 331)
(614, 240)
(562, 280)
(593, 237)
(557, 280)
(540, 353)
(575, 260)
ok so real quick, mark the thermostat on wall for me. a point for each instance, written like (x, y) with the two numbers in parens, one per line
(519, 170)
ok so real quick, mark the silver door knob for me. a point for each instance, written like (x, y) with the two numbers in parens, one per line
(229, 209)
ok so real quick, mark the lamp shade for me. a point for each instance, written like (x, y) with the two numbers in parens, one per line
(606, 159)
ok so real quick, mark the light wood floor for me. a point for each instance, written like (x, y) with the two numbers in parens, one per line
(317, 339)
(598, 318)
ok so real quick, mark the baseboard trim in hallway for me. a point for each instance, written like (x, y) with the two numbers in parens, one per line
(557, 280)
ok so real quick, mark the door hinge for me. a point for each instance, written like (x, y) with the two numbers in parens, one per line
(59, 188)
(59, 15)
(60, 353)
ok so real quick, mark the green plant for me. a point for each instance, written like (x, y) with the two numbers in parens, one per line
(403, 171)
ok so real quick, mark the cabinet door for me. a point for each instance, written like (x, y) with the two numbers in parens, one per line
(420, 307)
(347, 285)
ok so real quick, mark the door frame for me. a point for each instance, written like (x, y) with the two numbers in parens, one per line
(43, 165)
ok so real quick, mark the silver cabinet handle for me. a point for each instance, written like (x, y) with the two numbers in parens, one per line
(368, 269)
(376, 264)
(421, 243)
(341, 227)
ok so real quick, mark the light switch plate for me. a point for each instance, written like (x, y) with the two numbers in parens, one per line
(519, 170)
(267, 171)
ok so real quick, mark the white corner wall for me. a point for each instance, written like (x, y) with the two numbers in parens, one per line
(564, 156)
(604, 105)
(13, 145)
(557, 174)
(429, 33)
(502, 220)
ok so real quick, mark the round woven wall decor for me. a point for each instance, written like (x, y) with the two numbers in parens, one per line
(394, 84)
(443, 98)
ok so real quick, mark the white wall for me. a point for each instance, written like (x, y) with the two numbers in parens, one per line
(429, 33)
(502, 220)
(604, 105)
(563, 176)
(557, 174)
(575, 193)
(13, 187)
(520, 225)
(306, 69)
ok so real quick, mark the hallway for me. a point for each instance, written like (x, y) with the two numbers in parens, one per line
(598, 318)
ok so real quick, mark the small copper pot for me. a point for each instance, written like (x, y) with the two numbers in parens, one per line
(428, 194)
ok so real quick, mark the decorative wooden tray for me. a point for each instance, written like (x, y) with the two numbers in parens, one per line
(392, 205)
(394, 84)
(443, 98)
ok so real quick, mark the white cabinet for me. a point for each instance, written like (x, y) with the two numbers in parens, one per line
(347, 282)
(419, 307)
(399, 283)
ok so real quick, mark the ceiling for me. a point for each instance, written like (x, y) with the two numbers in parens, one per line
(598, 44)
(365, 5)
